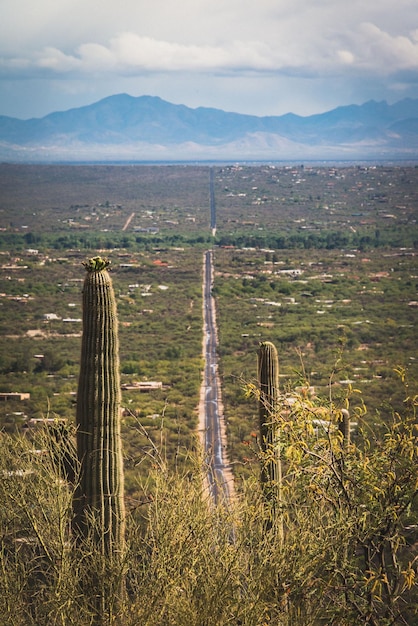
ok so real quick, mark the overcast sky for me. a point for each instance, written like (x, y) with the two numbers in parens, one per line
(263, 57)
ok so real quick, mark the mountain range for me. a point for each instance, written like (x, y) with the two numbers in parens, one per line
(147, 128)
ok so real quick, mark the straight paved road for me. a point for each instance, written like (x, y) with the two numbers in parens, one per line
(219, 475)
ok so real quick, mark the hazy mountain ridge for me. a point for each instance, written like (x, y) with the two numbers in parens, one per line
(147, 127)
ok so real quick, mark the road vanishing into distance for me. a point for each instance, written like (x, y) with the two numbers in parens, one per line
(212, 203)
(219, 476)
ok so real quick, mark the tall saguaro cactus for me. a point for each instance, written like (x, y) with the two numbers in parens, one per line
(268, 379)
(99, 500)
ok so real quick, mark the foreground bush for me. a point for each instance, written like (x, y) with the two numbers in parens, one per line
(347, 556)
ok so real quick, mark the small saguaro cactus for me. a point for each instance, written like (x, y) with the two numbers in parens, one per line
(99, 499)
(268, 379)
(344, 428)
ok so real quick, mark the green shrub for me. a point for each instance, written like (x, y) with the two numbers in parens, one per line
(346, 555)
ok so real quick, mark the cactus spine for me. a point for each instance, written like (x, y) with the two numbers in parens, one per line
(268, 379)
(99, 501)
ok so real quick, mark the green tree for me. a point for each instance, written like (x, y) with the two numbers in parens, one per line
(354, 505)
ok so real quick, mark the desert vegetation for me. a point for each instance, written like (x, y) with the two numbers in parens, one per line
(319, 263)
(346, 555)
(340, 320)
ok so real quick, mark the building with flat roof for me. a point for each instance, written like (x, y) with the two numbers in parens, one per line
(14, 396)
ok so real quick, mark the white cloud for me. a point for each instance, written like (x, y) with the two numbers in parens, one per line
(53, 59)
(367, 48)
(380, 50)
(346, 57)
(259, 45)
(129, 52)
